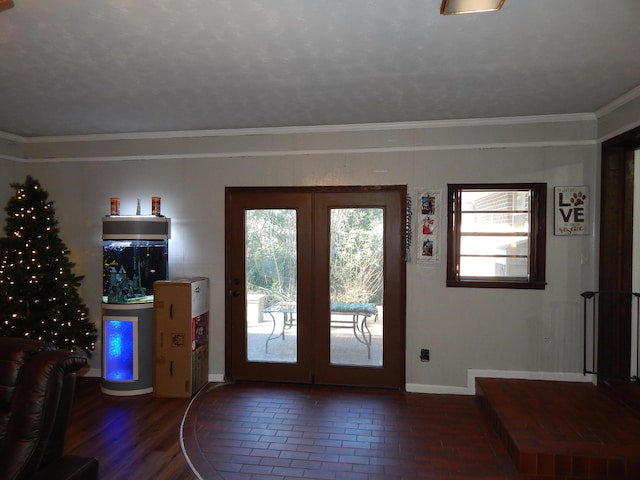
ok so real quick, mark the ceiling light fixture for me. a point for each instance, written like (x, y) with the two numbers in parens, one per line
(5, 5)
(454, 7)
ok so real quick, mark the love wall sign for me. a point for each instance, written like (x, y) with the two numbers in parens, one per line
(571, 210)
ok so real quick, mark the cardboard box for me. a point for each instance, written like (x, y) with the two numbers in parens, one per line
(181, 336)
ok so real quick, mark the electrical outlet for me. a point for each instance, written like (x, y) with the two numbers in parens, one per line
(424, 354)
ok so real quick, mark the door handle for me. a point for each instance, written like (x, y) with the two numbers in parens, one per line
(235, 293)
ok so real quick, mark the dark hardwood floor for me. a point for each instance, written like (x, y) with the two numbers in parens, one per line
(136, 437)
(423, 436)
(302, 432)
(541, 430)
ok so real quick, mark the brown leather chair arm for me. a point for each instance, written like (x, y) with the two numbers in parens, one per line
(36, 391)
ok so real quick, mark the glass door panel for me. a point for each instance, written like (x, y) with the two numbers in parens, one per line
(272, 285)
(330, 257)
(356, 276)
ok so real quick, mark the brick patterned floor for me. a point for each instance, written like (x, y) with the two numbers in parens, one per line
(286, 432)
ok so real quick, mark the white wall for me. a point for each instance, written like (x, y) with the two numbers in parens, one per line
(529, 333)
(11, 171)
(497, 329)
(619, 116)
(491, 329)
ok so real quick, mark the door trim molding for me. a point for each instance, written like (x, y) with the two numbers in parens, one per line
(395, 273)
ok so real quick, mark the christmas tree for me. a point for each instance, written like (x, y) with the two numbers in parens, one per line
(38, 289)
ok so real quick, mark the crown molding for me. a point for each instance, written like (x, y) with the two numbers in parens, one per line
(285, 153)
(618, 102)
(12, 137)
(427, 124)
(618, 131)
(11, 158)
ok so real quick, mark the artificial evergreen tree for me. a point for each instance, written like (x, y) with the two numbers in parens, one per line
(38, 289)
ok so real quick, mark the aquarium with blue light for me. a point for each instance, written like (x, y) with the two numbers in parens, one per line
(134, 255)
(130, 267)
(120, 355)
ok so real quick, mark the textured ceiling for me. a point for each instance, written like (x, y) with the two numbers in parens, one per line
(96, 66)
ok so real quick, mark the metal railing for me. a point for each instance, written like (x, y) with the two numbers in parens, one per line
(626, 301)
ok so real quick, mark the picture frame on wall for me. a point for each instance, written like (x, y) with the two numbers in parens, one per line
(571, 210)
(428, 226)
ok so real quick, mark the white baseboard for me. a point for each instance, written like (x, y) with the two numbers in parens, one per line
(436, 389)
(470, 389)
(97, 372)
(472, 374)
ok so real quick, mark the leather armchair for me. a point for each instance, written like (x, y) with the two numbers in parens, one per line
(37, 383)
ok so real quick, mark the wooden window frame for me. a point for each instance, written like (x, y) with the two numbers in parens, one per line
(537, 237)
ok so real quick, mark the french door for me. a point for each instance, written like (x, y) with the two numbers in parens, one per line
(316, 285)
